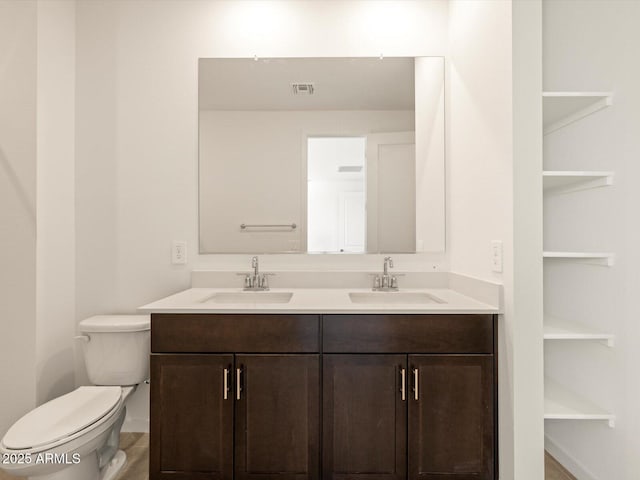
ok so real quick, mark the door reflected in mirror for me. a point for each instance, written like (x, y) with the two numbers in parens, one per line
(321, 155)
(336, 194)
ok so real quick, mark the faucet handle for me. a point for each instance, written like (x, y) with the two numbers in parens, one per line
(263, 280)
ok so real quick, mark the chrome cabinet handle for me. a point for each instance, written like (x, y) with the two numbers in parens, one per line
(403, 381)
(415, 383)
(238, 383)
(225, 380)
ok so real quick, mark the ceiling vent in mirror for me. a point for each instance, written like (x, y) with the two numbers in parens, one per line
(302, 88)
(349, 168)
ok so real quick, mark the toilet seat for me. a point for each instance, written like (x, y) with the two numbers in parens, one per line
(63, 418)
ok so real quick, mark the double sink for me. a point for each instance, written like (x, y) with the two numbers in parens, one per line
(384, 292)
(370, 298)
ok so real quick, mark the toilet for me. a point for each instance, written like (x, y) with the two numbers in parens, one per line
(76, 436)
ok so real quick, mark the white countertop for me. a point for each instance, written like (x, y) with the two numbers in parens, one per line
(317, 300)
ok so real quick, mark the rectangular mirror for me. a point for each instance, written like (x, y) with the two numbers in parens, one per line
(321, 155)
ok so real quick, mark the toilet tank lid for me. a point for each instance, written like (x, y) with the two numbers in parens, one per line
(116, 323)
(62, 417)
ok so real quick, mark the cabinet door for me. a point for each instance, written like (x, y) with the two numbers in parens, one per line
(451, 420)
(364, 417)
(191, 420)
(277, 417)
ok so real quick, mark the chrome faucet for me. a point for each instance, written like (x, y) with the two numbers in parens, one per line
(388, 263)
(258, 281)
(385, 282)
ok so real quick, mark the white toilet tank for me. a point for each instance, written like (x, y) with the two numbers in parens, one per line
(116, 350)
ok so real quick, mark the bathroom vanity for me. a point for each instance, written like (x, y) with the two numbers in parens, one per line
(374, 393)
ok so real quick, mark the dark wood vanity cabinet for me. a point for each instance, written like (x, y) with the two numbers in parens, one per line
(342, 397)
(222, 414)
(409, 396)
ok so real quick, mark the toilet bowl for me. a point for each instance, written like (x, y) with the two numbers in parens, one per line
(76, 436)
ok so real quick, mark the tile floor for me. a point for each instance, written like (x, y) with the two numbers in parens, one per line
(137, 447)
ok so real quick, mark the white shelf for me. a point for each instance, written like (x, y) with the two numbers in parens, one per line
(555, 329)
(571, 181)
(605, 259)
(563, 108)
(561, 404)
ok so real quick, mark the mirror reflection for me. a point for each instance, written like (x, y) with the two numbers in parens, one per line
(320, 155)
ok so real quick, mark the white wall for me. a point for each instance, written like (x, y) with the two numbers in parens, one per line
(138, 61)
(18, 24)
(590, 46)
(137, 131)
(56, 199)
(524, 311)
(493, 145)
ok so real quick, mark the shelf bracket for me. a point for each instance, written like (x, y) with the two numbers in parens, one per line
(612, 422)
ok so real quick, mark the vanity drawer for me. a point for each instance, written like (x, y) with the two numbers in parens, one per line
(408, 333)
(221, 333)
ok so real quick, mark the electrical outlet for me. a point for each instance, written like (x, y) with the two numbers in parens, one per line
(496, 255)
(179, 252)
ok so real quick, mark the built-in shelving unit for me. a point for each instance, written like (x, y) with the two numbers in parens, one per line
(557, 329)
(594, 258)
(563, 108)
(571, 181)
(561, 404)
(559, 110)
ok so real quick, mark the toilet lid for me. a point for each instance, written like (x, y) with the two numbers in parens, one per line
(115, 324)
(62, 417)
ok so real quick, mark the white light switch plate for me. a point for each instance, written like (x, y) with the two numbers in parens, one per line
(179, 252)
(496, 255)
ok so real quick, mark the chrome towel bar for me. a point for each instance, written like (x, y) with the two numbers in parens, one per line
(244, 226)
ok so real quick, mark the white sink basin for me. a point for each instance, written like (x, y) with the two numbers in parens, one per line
(250, 297)
(381, 298)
